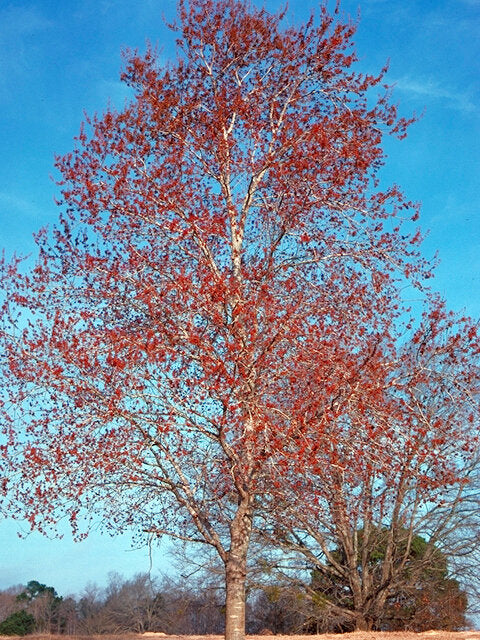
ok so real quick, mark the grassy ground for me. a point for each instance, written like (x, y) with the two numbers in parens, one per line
(358, 635)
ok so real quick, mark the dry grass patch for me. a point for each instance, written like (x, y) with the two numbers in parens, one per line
(357, 635)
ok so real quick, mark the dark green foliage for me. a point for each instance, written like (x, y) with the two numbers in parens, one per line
(34, 589)
(19, 623)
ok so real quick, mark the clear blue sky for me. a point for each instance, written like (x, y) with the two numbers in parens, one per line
(61, 57)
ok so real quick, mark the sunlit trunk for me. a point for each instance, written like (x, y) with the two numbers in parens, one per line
(235, 599)
(236, 572)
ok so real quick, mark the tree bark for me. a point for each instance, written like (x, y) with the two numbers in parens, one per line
(362, 624)
(235, 599)
(236, 572)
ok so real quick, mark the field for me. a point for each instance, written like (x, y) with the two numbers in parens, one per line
(358, 635)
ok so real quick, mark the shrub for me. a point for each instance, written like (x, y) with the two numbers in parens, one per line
(17, 624)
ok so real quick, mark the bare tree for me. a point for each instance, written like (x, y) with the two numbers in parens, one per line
(92, 618)
(133, 605)
(9, 602)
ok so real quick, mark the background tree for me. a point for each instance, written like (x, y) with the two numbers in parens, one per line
(92, 619)
(173, 605)
(50, 612)
(423, 596)
(223, 259)
(406, 466)
(193, 606)
(279, 609)
(19, 623)
(43, 604)
(67, 617)
(133, 605)
(8, 601)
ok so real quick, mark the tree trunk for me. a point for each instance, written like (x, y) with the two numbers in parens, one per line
(362, 624)
(236, 572)
(235, 600)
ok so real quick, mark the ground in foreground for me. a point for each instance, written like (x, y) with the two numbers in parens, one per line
(357, 635)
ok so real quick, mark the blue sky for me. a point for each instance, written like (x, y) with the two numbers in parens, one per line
(59, 58)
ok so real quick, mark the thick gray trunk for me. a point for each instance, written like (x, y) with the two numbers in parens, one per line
(235, 599)
(236, 572)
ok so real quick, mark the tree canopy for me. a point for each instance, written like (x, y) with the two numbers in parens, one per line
(225, 270)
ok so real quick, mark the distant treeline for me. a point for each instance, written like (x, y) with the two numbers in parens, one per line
(197, 605)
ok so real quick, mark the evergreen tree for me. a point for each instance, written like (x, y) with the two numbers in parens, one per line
(17, 624)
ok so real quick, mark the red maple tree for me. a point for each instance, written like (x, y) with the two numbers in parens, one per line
(221, 239)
